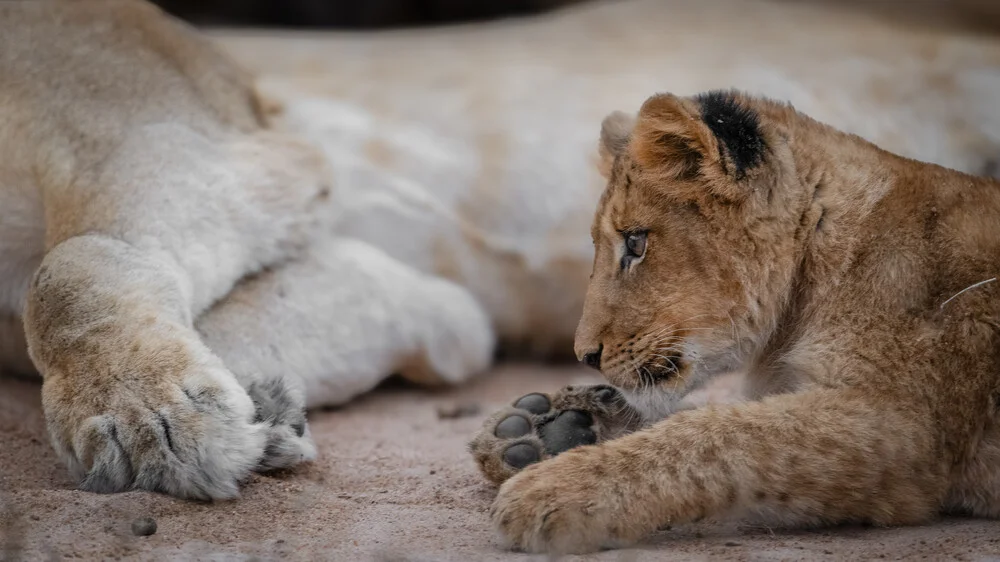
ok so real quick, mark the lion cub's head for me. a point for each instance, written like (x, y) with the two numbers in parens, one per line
(695, 238)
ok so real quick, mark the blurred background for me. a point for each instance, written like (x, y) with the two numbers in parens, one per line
(379, 14)
(465, 149)
(351, 14)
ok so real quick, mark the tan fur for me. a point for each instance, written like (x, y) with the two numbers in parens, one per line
(191, 272)
(825, 271)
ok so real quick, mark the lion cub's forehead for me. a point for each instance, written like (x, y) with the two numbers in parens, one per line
(606, 204)
(614, 209)
(604, 225)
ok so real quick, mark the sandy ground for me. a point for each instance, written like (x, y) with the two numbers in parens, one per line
(394, 482)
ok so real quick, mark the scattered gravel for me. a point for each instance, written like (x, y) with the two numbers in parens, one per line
(144, 527)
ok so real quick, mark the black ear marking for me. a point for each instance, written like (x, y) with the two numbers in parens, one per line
(736, 127)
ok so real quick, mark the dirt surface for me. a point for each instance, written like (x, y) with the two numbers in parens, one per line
(393, 482)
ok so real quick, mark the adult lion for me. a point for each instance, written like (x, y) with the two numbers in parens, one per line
(172, 259)
(192, 263)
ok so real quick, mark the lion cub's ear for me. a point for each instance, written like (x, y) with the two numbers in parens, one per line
(713, 137)
(615, 132)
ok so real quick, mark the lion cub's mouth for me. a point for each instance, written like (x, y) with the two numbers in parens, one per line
(661, 368)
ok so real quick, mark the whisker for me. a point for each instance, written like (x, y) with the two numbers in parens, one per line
(667, 343)
(647, 376)
(661, 331)
(736, 336)
(667, 337)
(674, 329)
(686, 320)
(633, 366)
(675, 334)
(665, 357)
(670, 360)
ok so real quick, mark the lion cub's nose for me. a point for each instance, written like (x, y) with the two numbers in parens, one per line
(593, 358)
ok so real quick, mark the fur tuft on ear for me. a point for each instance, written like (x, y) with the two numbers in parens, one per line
(671, 139)
(616, 129)
(712, 136)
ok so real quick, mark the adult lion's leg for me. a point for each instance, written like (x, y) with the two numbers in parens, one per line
(139, 244)
(341, 318)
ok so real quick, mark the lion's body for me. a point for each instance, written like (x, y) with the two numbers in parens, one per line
(501, 137)
(183, 294)
(858, 290)
(191, 258)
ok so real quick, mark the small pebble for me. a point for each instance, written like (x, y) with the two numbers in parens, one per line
(732, 543)
(454, 411)
(144, 527)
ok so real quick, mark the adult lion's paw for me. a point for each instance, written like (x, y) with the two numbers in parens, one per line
(190, 434)
(282, 409)
(566, 505)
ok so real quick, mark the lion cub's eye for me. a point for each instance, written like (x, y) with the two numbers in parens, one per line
(636, 244)
(635, 247)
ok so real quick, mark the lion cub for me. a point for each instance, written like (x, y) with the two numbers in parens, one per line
(855, 287)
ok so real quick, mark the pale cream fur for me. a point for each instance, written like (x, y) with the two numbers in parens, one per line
(183, 294)
(190, 248)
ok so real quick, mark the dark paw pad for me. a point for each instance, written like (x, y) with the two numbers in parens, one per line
(514, 426)
(537, 404)
(521, 455)
(570, 429)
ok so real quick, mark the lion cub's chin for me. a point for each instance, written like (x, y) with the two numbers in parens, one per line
(656, 403)
(659, 402)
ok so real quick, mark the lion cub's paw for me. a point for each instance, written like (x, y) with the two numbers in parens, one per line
(283, 411)
(538, 426)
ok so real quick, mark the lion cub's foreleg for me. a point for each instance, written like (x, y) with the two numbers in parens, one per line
(139, 243)
(975, 487)
(822, 456)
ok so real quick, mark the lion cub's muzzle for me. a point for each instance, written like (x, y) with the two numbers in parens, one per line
(632, 372)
